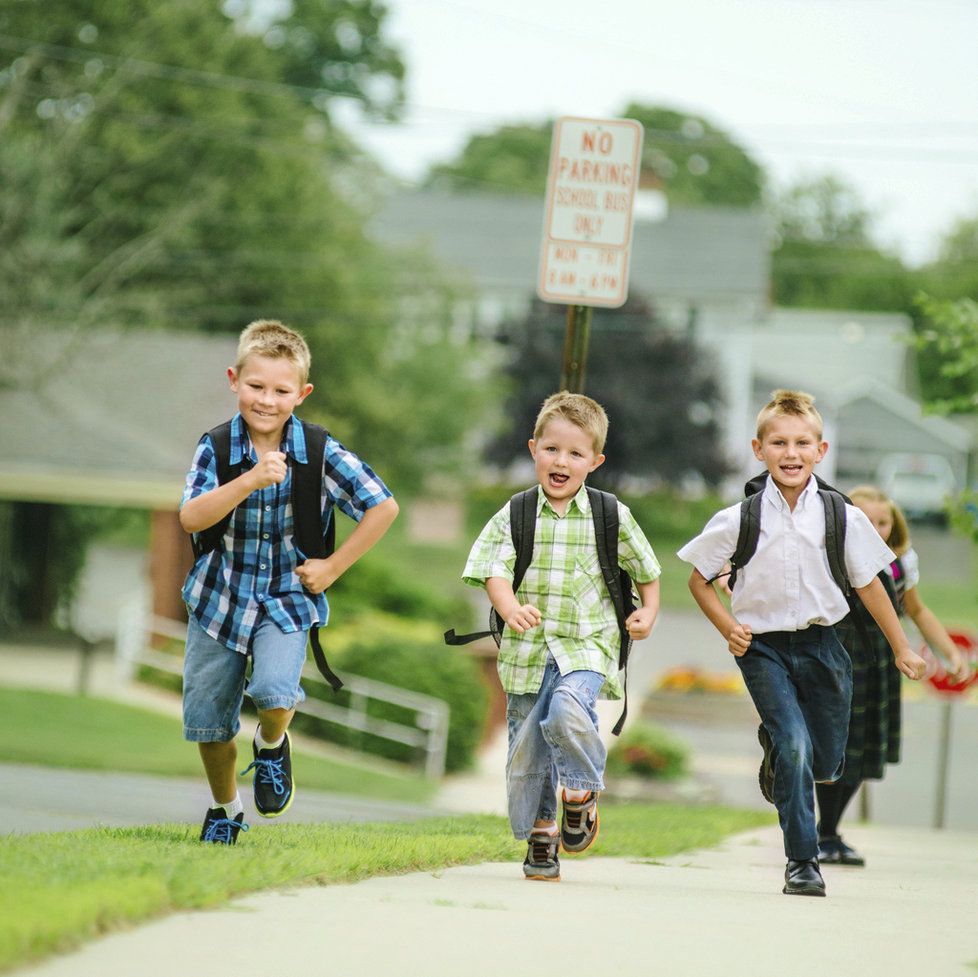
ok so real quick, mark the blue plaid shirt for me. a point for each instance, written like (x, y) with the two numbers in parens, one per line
(254, 569)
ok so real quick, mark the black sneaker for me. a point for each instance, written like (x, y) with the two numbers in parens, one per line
(219, 829)
(765, 775)
(273, 784)
(541, 862)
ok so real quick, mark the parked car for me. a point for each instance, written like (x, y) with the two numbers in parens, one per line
(920, 484)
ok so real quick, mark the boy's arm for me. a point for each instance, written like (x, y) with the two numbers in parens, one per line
(519, 617)
(202, 511)
(738, 635)
(317, 575)
(639, 622)
(935, 634)
(874, 596)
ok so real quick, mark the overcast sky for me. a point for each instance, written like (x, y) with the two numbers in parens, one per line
(882, 92)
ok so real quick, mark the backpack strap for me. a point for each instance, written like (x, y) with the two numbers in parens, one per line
(210, 538)
(522, 530)
(835, 537)
(604, 512)
(307, 491)
(747, 537)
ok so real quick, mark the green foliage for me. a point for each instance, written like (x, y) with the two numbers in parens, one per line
(659, 390)
(954, 275)
(948, 339)
(696, 163)
(513, 159)
(379, 585)
(825, 256)
(425, 666)
(646, 750)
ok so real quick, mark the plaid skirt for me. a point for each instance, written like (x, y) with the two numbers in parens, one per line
(874, 719)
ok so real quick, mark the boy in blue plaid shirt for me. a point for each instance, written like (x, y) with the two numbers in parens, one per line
(561, 641)
(255, 593)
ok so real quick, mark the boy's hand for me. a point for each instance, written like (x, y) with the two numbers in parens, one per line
(959, 669)
(523, 618)
(739, 639)
(270, 470)
(316, 575)
(639, 623)
(910, 663)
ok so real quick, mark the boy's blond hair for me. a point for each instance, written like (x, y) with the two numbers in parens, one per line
(268, 337)
(789, 403)
(899, 540)
(581, 411)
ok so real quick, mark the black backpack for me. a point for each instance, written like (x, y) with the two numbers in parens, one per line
(604, 513)
(307, 483)
(834, 503)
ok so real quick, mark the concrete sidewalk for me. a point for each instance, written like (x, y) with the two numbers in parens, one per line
(717, 911)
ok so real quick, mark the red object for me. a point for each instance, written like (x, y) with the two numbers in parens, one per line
(936, 673)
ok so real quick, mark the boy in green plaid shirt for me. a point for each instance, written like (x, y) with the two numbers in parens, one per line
(560, 646)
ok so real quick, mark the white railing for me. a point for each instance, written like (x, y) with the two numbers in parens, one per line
(134, 647)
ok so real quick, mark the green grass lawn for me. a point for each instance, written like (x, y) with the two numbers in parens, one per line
(107, 879)
(97, 734)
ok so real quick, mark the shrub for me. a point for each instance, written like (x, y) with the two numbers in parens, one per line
(419, 665)
(647, 750)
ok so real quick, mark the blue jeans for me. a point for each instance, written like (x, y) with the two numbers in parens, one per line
(801, 684)
(553, 735)
(214, 678)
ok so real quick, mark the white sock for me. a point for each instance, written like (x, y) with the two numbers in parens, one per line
(262, 745)
(575, 796)
(231, 808)
(550, 829)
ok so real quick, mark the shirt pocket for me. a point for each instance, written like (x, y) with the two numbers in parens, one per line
(587, 593)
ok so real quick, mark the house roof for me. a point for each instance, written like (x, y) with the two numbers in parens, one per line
(107, 416)
(697, 256)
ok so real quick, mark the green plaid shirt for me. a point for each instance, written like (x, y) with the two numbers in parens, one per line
(564, 583)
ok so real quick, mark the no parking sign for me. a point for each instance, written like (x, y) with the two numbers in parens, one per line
(936, 672)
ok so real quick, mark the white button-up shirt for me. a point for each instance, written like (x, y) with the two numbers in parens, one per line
(787, 584)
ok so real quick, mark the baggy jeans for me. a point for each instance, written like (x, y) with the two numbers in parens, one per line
(801, 684)
(553, 736)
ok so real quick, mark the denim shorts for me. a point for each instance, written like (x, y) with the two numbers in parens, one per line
(214, 678)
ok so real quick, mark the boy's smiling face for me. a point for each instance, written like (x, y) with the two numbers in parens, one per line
(269, 389)
(564, 456)
(791, 447)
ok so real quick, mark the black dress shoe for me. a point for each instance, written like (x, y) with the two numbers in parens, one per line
(834, 851)
(802, 878)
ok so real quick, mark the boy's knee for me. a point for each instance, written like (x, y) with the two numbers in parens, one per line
(569, 715)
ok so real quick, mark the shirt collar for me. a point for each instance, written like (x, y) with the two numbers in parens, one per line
(581, 500)
(773, 493)
(293, 441)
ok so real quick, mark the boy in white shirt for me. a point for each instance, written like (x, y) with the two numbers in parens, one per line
(779, 625)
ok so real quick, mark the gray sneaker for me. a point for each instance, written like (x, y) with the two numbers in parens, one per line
(541, 862)
(579, 823)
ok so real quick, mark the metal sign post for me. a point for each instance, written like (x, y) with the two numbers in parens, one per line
(949, 691)
(587, 230)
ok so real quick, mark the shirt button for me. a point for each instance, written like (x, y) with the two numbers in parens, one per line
(261, 596)
(261, 566)
(268, 508)
(264, 535)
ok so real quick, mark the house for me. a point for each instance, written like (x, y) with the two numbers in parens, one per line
(110, 417)
(707, 272)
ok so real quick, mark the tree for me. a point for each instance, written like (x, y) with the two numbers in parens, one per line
(659, 390)
(694, 162)
(955, 272)
(825, 257)
(165, 165)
